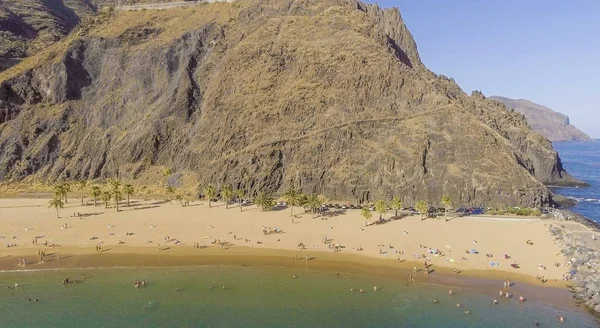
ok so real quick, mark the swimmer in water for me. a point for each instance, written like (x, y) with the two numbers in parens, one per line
(450, 292)
(435, 300)
(495, 302)
(457, 304)
(467, 311)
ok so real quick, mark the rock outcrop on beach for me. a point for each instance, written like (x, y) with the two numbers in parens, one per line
(553, 125)
(330, 96)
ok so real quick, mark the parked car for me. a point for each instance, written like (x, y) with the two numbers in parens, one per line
(344, 207)
(477, 211)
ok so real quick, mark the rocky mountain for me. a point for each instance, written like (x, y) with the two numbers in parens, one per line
(328, 95)
(553, 125)
(27, 26)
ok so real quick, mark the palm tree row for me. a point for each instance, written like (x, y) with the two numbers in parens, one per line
(422, 207)
(227, 193)
(113, 190)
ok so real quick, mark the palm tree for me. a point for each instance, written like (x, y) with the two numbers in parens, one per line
(106, 197)
(446, 202)
(422, 207)
(59, 191)
(381, 208)
(396, 205)
(263, 200)
(57, 203)
(117, 196)
(226, 194)
(128, 190)
(292, 198)
(170, 191)
(81, 184)
(366, 213)
(211, 192)
(239, 194)
(313, 203)
(96, 192)
(114, 183)
(66, 189)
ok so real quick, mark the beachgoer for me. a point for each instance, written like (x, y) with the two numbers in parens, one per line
(495, 301)
(457, 304)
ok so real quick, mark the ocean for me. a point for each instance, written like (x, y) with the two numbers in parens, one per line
(252, 297)
(582, 160)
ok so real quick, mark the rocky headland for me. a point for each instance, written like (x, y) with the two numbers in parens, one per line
(330, 96)
(553, 125)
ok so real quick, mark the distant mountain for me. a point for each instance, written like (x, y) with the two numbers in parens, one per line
(553, 125)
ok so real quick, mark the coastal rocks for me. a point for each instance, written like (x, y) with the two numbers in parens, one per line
(584, 258)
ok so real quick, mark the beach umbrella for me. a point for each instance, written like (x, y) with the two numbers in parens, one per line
(474, 251)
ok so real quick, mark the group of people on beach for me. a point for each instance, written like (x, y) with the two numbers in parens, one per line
(269, 230)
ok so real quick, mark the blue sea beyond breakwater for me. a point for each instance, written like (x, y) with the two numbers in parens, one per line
(582, 160)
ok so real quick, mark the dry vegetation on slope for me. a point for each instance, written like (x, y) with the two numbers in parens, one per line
(328, 95)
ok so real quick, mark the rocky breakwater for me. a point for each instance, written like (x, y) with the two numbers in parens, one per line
(581, 248)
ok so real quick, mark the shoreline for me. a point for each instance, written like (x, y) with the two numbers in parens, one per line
(554, 294)
(486, 250)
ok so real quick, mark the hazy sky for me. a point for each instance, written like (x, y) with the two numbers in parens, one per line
(547, 51)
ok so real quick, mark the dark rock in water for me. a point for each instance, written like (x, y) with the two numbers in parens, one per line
(563, 201)
(328, 95)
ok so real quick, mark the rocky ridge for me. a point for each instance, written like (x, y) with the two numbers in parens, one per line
(553, 125)
(330, 96)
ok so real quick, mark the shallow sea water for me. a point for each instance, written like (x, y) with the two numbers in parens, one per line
(253, 297)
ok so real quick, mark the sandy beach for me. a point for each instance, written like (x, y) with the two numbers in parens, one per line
(405, 243)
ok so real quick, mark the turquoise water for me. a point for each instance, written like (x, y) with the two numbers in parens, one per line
(253, 297)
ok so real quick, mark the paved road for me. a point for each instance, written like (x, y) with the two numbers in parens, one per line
(167, 5)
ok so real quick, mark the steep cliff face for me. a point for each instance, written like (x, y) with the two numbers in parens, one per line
(553, 125)
(328, 95)
(27, 26)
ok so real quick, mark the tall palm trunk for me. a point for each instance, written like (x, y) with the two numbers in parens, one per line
(117, 201)
(57, 215)
(241, 208)
(127, 200)
(94, 201)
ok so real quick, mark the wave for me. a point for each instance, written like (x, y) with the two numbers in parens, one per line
(586, 200)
